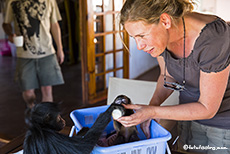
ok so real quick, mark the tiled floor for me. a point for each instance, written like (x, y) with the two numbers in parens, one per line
(12, 106)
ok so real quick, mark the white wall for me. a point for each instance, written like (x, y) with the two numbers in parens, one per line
(217, 7)
(222, 9)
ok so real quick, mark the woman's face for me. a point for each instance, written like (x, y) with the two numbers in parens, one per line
(151, 38)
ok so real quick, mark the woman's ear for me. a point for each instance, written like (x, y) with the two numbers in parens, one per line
(165, 20)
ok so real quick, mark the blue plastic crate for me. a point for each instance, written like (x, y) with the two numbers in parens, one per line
(157, 144)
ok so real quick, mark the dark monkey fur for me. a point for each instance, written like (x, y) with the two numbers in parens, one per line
(45, 122)
(124, 134)
(42, 137)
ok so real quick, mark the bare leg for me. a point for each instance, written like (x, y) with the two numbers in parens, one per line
(47, 95)
(29, 97)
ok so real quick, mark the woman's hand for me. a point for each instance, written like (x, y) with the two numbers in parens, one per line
(142, 114)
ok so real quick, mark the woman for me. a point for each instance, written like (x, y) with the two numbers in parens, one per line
(193, 51)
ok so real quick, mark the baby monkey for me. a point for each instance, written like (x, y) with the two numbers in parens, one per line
(44, 122)
(123, 134)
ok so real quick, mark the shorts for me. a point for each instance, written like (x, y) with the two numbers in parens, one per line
(34, 73)
(195, 137)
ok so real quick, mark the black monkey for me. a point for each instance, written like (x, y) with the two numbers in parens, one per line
(44, 122)
(122, 134)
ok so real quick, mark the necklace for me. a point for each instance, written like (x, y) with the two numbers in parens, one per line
(172, 85)
(184, 52)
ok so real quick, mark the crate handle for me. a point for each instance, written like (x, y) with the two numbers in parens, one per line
(72, 131)
(168, 149)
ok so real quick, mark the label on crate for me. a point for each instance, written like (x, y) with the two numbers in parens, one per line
(146, 150)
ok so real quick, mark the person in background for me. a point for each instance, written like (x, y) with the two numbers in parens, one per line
(37, 61)
(193, 52)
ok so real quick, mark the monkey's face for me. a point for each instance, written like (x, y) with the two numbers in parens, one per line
(56, 122)
(122, 99)
(46, 115)
(60, 123)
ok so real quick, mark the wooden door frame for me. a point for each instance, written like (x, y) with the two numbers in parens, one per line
(87, 48)
(83, 46)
